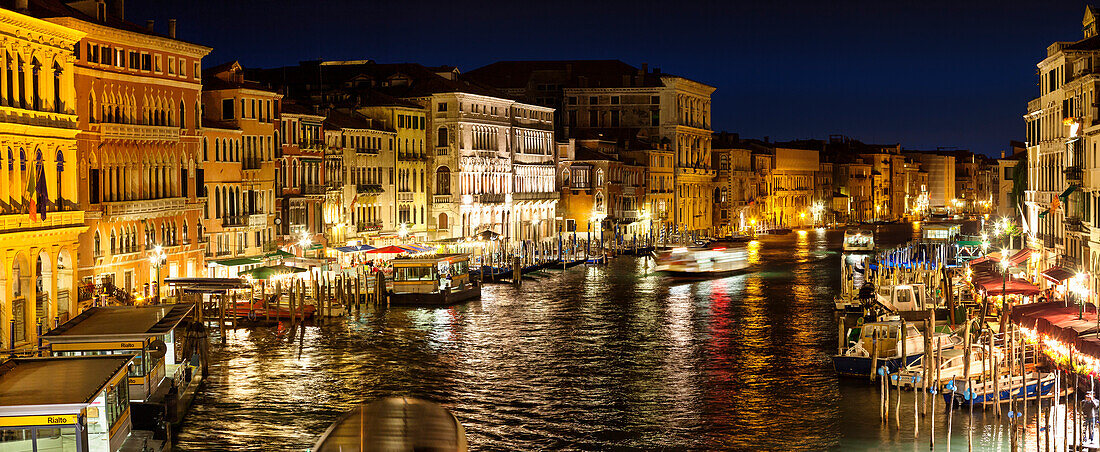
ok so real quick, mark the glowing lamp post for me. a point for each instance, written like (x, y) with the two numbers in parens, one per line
(157, 258)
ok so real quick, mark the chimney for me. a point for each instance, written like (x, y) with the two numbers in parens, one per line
(172, 28)
(1002, 154)
(21, 6)
(117, 9)
(568, 71)
(149, 25)
(645, 68)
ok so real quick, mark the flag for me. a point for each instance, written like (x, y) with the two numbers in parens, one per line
(43, 194)
(29, 196)
(1054, 205)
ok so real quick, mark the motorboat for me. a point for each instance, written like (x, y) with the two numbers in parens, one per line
(952, 366)
(877, 344)
(859, 241)
(439, 280)
(1015, 387)
(701, 263)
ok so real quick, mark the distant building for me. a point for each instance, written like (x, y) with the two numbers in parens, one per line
(610, 94)
(1006, 168)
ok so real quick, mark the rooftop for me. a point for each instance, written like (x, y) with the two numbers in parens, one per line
(122, 321)
(35, 381)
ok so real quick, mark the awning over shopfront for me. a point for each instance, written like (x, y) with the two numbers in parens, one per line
(278, 254)
(998, 286)
(392, 249)
(238, 261)
(1057, 274)
(354, 248)
(1061, 322)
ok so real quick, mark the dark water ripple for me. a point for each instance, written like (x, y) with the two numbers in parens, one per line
(586, 359)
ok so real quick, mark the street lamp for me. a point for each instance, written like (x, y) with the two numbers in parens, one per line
(1004, 278)
(157, 258)
(304, 241)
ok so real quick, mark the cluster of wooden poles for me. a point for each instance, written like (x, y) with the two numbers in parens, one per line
(1012, 370)
(333, 297)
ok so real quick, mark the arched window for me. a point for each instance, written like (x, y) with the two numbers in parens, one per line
(443, 180)
(113, 249)
(441, 137)
(217, 202)
(183, 115)
(205, 148)
(97, 248)
(599, 202)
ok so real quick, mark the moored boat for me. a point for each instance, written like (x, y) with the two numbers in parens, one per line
(881, 339)
(1007, 388)
(439, 280)
(952, 366)
(859, 241)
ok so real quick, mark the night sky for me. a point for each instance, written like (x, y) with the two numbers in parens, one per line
(923, 74)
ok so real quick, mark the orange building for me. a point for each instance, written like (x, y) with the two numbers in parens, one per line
(137, 98)
(239, 157)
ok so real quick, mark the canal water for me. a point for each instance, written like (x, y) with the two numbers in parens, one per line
(588, 358)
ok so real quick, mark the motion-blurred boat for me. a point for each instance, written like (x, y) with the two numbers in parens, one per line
(701, 263)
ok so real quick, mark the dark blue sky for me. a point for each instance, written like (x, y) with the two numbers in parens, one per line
(924, 74)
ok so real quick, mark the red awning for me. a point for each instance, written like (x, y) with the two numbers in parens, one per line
(1020, 256)
(997, 286)
(1057, 274)
(1061, 322)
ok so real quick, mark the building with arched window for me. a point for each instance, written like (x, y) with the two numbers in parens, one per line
(137, 148)
(241, 114)
(38, 194)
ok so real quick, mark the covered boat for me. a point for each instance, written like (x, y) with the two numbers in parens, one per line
(882, 340)
(701, 263)
(952, 366)
(439, 280)
(859, 241)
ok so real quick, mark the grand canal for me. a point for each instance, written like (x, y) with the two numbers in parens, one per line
(589, 358)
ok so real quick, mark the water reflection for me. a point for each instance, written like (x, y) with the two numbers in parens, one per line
(589, 358)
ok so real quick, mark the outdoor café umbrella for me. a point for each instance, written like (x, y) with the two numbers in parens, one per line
(272, 270)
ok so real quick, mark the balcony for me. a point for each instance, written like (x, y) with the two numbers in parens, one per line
(632, 215)
(370, 189)
(411, 157)
(441, 199)
(257, 221)
(234, 221)
(313, 189)
(139, 133)
(15, 115)
(536, 196)
(442, 150)
(1074, 224)
(369, 226)
(142, 209)
(1073, 173)
(405, 197)
(366, 151)
(22, 221)
(490, 198)
(1034, 105)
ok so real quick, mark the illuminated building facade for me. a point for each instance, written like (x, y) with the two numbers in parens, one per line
(138, 146)
(299, 178)
(42, 218)
(239, 168)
